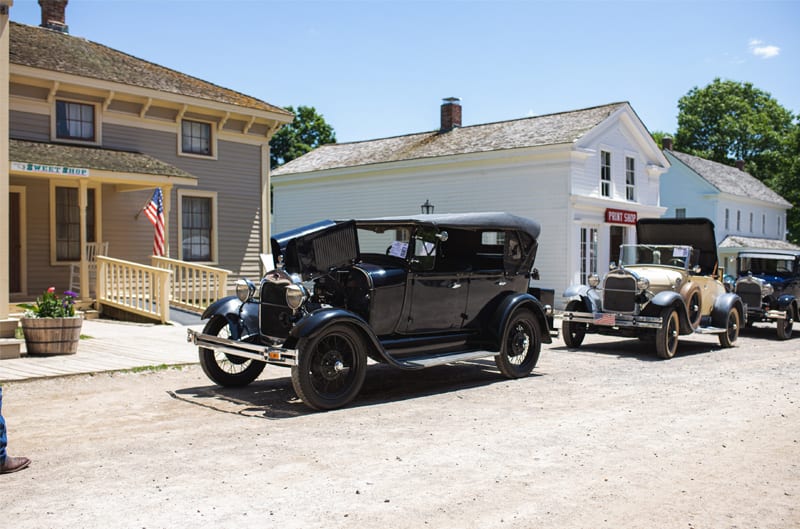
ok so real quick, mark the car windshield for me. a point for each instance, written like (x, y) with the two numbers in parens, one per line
(388, 240)
(781, 266)
(684, 257)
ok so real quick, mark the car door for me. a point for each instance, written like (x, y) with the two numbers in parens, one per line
(437, 287)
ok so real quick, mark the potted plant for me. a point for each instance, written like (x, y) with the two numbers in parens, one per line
(50, 325)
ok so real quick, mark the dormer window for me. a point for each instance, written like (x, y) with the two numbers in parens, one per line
(196, 138)
(75, 121)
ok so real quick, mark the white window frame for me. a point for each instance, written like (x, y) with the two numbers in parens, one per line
(630, 178)
(588, 247)
(212, 141)
(727, 218)
(194, 193)
(98, 128)
(98, 221)
(606, 189)
(751, 222)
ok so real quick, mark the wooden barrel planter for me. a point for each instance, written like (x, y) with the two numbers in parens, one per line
(51, 336)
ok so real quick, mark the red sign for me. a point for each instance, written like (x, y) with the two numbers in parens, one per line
(620, 216)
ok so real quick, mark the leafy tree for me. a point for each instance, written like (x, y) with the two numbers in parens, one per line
(728, 120)
(308, 131)
(787, 184)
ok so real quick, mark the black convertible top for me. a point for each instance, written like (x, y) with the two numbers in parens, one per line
(480, 220)
(695, 232)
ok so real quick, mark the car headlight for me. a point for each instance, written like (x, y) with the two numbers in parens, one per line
(766, 289)
(245, 289)
(593, 280)
(295, 296)
(642, 283)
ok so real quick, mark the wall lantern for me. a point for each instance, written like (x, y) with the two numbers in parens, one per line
(427, 207)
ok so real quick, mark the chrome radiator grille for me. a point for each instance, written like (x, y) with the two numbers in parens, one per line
(274, 314)
(750, 292)
(619, 294)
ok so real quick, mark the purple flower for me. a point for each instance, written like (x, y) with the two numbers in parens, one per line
(70, 294)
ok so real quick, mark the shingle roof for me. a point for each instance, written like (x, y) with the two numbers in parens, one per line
(735, 241)
(91, 158)
(550, 129)
(52, 50)
(729, 179)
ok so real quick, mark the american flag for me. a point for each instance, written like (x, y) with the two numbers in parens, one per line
(604, 318)
(155, 212)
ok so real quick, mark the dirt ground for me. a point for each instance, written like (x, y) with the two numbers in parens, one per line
(604, 436)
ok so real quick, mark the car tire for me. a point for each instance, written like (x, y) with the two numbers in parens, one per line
(573, 333)
(331, 367)
(225, 369)
(522, 343)
(732, 324)
(785, 326)
(667, 335)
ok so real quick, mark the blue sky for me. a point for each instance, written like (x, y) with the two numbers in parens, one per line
(380, 68)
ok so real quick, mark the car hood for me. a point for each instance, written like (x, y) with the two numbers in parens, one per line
(317, 248)
(695, 232)
(660, 277)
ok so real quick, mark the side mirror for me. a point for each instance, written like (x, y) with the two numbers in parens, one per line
(535, 274)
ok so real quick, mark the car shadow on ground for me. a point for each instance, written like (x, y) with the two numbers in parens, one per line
(766, 331)
(275, 398)
(639, 349)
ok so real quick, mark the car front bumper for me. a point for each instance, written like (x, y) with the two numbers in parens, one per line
(610, 319)
(263, 353)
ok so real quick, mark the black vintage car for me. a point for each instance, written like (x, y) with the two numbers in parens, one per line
(769, 285)
(411, 292)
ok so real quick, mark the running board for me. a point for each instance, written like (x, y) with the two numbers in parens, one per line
(438, 360)
(710, 330)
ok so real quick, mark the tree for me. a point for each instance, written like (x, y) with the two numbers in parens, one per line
(728, 121)
(787, 184)
(308, 131)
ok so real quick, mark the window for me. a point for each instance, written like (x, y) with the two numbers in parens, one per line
(198, 226)
(780, 219)
(680, 213)
(738, 220)
(588, 253)
(605, 173)
(67, 223)
(630, 178)
(727, 219)
(74, 121)
(751, 222)
(196, 137)
(763, 223)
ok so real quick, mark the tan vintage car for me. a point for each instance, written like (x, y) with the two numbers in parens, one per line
(665, 286)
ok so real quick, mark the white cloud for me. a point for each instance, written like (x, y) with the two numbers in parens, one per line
(764, 51)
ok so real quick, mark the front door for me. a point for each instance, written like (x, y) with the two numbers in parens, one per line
(14, 243)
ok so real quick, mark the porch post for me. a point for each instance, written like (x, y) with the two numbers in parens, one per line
(166, 193)
(266, 199)
(83, 201)
(6, 325)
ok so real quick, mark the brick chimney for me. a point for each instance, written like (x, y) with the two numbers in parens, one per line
(740, 164)
(451, 114)
(666, 143)
(53, 15)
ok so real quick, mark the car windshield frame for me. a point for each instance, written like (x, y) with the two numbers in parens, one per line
(672, 255)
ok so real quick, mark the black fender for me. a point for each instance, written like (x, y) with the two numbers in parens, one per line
(319, 320)
(669, 299)
(509, 305)
(242, 317)
(788, 303)
(723, 305)
(589, 296)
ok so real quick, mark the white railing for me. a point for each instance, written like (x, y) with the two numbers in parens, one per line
(193, 286)
(133, 287)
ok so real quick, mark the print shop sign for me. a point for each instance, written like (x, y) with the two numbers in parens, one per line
(620, 216)
(48, 169)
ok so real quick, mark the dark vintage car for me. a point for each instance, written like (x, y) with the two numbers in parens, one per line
(411, 292)
(769, 285)
(665, 286)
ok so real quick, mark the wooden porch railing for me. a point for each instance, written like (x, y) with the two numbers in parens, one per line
(193, 286)
(149, 291)
(133, 287)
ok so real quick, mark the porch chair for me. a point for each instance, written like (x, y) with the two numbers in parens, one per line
(92, 250)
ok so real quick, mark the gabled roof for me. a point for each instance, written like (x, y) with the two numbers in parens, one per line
(729, 179)
(737, 241)
(549, 129)
(91, 158)
(46, 49)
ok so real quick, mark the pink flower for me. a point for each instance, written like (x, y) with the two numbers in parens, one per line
(51, 290)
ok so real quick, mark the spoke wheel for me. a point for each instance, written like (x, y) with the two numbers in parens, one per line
(331, 368)
(573, 333)
(694, 310)
(728, 338)
(785, 326)
(667, 335)
(224, 369)
(522, 342)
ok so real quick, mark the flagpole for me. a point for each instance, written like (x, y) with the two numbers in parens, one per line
(136, 217)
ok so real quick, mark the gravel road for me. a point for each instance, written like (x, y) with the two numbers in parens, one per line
(604, 436)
